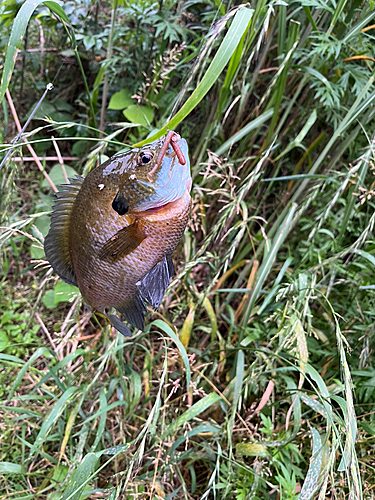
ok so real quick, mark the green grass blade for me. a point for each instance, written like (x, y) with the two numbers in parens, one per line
(233, 68)
(351, 199)
(269, 260)
(310, 18)
(314, 404)
(339, 8)
(168, 331)
(353, 113)
(282, 29)
(201, 429)
(312, 477)
(57, 9)
(51, 418)
(80, 477)
(253, 125)
(103, 420)
(11, 359)
(53, 371)
(365, 255)
(193, 412)
(223, 55)
(310, 370)
(42, 351)
(297, 142)
(240, 370)
(278, 94)
(359, 26)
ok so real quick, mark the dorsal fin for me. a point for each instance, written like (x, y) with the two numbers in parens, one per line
(56, 243)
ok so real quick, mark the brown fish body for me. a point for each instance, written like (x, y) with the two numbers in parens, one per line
(112, 234)
(104, 284)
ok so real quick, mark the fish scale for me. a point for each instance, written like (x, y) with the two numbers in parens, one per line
(113, 284)
(112, 234)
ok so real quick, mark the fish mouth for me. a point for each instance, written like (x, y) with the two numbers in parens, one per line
(171, 184)
(164, 206)
(157, 209)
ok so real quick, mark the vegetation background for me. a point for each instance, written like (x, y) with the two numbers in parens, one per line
(254, 379)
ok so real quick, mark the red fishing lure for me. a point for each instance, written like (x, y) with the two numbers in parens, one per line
(171, 138)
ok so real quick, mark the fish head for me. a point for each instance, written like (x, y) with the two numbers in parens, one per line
(154, 175)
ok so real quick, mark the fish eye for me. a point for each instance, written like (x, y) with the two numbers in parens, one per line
(144, 158)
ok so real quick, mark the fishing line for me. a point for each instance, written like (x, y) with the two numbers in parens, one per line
(49, 87)
(58, 72)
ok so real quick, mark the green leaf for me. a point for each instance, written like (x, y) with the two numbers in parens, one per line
(142, 115)
(42, 223)
(57, 9)
(240, 370)
(362, 23)
(45, 109)
(315, 375)
(102, 421)
(59, 473)
(314, 404)
(80, 477)
(365, 255)
(251, 450)
(221, 59)
(49, 299)
(64, 292)
(18, 30)
(121, 100)
(57, 175)
(11, 359)
(4, 340)
(269, 259)
(10, 468)
(317, 75)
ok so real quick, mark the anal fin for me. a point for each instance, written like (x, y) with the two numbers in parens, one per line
(119, 325)
(153, 284)
(134, 312)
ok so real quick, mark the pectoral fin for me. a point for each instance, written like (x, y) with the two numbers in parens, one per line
(153, 285)
(122, 243)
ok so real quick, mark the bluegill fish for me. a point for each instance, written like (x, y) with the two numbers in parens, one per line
(112, 233)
